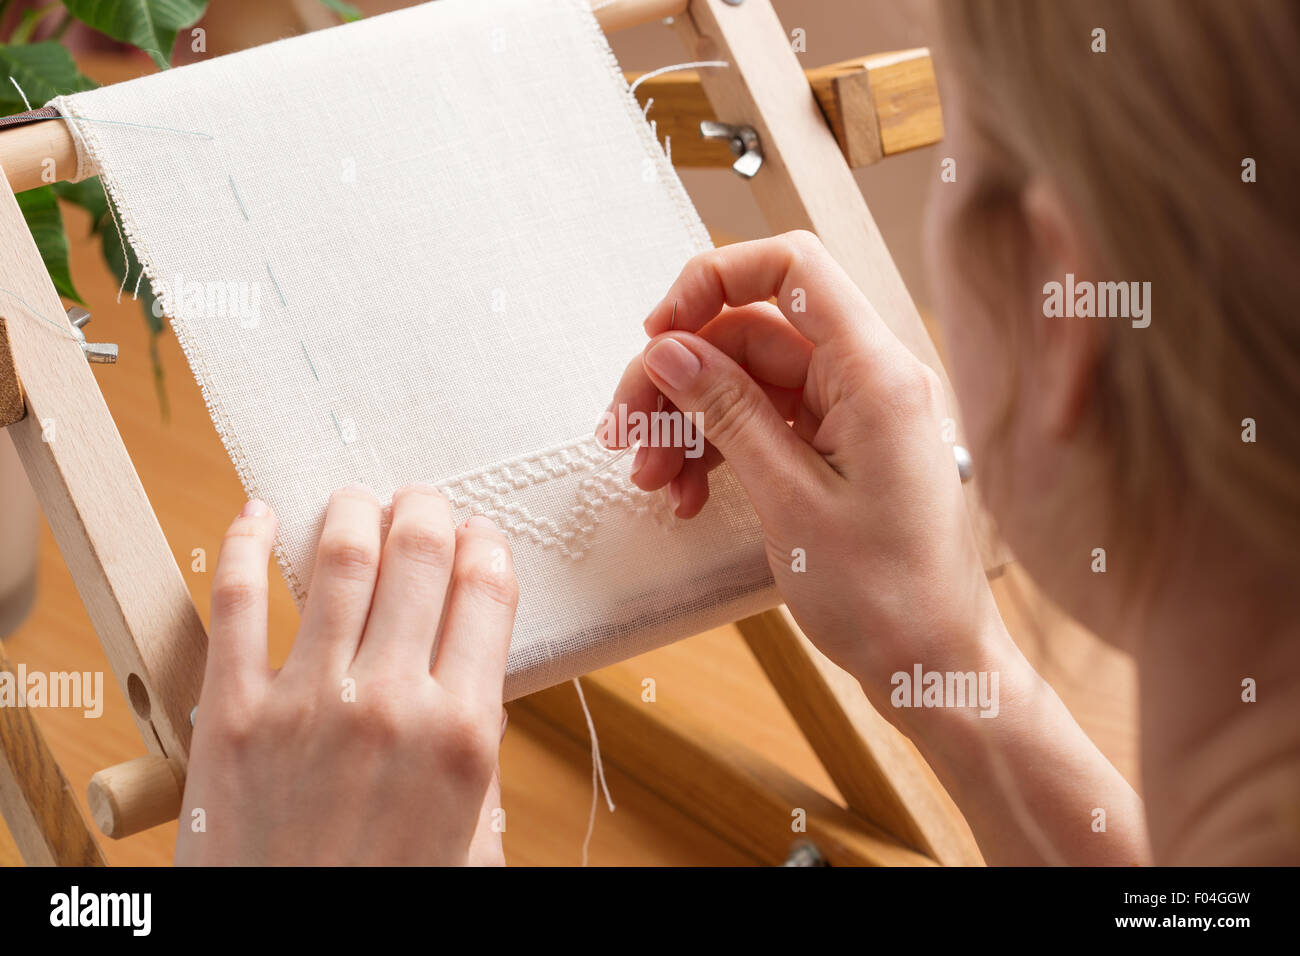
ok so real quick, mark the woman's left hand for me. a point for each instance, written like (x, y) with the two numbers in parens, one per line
(357, 751)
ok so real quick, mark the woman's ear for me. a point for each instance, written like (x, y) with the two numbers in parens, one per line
(1066, 349)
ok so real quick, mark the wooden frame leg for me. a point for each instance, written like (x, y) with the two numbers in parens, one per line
(37, 803)
(92, 498)
(877, 770)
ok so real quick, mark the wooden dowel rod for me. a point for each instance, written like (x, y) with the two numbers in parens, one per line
(41, 153)
(877, 106)
(132, 797)
(622, 14)
(37, 154)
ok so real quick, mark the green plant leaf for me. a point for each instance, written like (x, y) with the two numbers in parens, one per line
(150, 25)
(41, 210)
(346, 11)
(43, 70)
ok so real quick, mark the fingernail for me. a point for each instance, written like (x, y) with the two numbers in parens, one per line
(674, 495)
(639, 460)
(651, 317)
(673, 362)
(478, 521)
(505, 716)
(255, 508)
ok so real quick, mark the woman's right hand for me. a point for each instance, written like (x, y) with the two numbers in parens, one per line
(835, 431)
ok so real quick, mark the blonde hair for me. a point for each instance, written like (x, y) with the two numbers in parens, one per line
(1149, 141)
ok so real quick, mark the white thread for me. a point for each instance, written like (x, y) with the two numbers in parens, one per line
(608, 464)
(659, 406)
(40, 315)
(126, 257)
(597, 772)
(82, 143)
(26, 101)
(650, 101)
(164, 129)
(676, 66)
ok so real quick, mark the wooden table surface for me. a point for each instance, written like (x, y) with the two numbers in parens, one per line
(546, 774)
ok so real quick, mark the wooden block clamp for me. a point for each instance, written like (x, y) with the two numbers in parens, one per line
(811, 129)
(877, 106)
(12, 407)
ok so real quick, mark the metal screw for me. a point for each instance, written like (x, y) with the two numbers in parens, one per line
(805, 853)
(98, 353)
(743, 141)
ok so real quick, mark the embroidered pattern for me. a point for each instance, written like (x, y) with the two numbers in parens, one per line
(490, 492)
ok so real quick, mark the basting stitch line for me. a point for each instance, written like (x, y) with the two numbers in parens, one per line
(88, 145)
(310, 364)
(238, 199)
(339, 425)
(277, 285)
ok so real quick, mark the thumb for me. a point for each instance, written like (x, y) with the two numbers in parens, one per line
(734, 414)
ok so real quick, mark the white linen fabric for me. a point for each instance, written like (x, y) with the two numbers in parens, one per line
(419, 248)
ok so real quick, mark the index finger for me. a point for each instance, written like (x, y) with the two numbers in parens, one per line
(472, 650)
(814, 294)
(237, 646)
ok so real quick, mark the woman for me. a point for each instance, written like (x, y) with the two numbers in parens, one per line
(1161, 150)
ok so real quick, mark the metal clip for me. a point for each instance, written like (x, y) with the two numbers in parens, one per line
(98, 353)
(743, 141)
